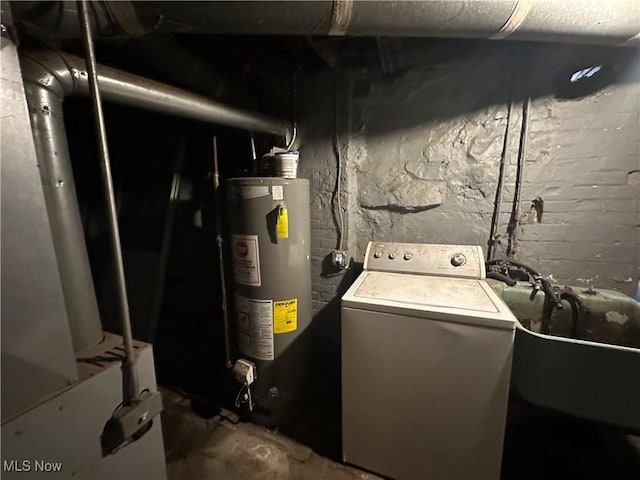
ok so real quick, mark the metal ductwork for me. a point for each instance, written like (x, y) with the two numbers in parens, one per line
(64, 74)
(48, 78)
(614, 22)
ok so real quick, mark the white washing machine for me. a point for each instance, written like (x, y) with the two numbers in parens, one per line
(426, 361)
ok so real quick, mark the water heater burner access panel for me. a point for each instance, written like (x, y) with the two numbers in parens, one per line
(462, 261)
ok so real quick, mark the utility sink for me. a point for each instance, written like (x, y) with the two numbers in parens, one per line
(595, 374)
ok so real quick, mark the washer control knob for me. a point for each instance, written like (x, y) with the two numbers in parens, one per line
(377, 254)
(392, 255)
(408, 256)
(458, 259)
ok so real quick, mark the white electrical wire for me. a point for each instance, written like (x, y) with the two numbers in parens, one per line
(294, 108)
(339, 169)
(249, 399)
(246, 398)
(294, 134)
(239, 400)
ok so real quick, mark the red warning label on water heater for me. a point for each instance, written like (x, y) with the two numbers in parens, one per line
(246, 259)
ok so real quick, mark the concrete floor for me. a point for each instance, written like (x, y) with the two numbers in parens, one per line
(198, 448)
(538, 444)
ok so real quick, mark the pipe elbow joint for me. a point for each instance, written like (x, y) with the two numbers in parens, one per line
(50, 70)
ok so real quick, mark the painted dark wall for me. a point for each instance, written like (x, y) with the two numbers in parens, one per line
(421, 148)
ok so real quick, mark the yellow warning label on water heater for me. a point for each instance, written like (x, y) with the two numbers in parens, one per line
(285, 316)
(282, 225)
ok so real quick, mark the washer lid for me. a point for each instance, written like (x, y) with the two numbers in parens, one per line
(442, 298)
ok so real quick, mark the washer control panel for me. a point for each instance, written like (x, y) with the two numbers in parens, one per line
(466, 261)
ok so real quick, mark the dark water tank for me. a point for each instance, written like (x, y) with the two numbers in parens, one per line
(270, 251)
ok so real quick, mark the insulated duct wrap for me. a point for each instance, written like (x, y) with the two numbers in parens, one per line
(613, 22)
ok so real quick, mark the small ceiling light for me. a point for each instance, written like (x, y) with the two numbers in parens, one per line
(585, 72)
(579, 81)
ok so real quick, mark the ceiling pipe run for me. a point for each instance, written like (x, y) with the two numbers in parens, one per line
(65, 74)
(612, 22)
(48, 78)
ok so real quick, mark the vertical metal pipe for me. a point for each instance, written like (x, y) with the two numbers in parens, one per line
(130, 380)
(47, 123)
(522, 154)
(495, 221)
(526, 113)
(497, 206)
(165, 249)
(223, 287)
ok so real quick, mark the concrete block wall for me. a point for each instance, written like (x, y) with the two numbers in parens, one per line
(434, 135)
(583, 159)
(318, 143)
(421, 151)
